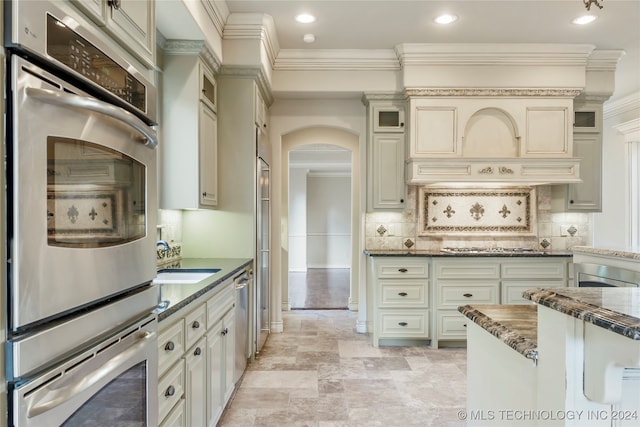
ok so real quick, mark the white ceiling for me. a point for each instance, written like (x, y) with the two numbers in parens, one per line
(383, 24)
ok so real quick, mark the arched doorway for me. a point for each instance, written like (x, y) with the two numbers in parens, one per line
(344, 140)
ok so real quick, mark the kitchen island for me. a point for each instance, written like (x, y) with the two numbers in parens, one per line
(570, 360)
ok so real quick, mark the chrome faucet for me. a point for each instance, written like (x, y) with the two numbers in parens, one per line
(164, 244)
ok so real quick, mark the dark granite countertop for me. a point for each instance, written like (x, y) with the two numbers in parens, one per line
(174, 296)
(515, 325)
(420, 253)
(615, 309)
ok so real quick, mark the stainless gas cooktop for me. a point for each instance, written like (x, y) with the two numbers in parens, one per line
(478, 250)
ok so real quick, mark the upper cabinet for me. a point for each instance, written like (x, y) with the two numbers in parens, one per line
(491, 135)
(585, 196)
(130, 22)
(385, 151)
(189, 154)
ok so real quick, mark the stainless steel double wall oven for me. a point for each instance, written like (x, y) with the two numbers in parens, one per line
(81, 206)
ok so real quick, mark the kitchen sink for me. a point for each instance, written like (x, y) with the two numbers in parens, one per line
(185, 276)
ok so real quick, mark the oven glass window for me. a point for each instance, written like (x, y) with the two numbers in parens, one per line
(122, 402)
(95, 195)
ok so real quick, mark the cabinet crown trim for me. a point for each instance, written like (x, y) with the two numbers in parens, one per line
(495, 92)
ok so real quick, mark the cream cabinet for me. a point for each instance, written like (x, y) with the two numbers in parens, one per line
(486, 280)
(400, 298)
(196, 360)
(386, 187)
(130, 22)
(189, 154)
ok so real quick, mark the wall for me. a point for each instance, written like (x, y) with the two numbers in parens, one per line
(612, 227)
(328, 221)
(298, 219)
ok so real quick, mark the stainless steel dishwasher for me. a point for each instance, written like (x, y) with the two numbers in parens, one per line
(242, 284)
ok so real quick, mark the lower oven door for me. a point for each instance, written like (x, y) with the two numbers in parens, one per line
(114, 383)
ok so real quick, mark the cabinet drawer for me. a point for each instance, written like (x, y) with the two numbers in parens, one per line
(512, 290)
(403, 293)
(452, 325)
(170, 345)
(467, 270)
(170, 389)
(176, 417)
(195, 325)
(454, 295)
(534, 270)
(402, 268)
(404, 324)
(219, 304)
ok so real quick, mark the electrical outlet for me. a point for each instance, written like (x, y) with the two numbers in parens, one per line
(564, 230)
(392, 230)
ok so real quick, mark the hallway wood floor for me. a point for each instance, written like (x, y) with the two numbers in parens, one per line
(320, 373)
(319, 288)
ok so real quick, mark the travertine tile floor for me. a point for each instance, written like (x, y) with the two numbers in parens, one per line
(320, 373)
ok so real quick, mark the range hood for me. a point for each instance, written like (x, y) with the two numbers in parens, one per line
(495, 136)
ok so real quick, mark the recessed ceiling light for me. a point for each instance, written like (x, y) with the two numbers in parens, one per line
(309, 38)
(446, 19)
(585, 19)
(305, 18)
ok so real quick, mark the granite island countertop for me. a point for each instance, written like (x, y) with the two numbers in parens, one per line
(436, 253)
(624, 253)
(174, 296)
(614, 309)
(515, 325)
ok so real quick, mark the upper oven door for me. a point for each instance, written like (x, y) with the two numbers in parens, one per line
(82, 195)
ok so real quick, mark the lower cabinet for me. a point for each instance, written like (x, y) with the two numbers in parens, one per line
(196, 360)
(486, 280)
(401, 298)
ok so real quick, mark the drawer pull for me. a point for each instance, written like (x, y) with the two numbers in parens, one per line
(403, 323)
(402, 270)
(402, 294)
(195, 325)
(170, 346)
(467, 295)
(170, 391)
(198, 350)
(225, 331)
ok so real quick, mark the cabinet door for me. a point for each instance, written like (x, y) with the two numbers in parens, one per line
(133, 22)
(229, 353)
(96, 10)
(208, 123)
(215, 369)
(387, 171)
(586, 196)
(196, 384)
(388, 118)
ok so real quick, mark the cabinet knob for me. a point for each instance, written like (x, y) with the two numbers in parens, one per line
(170, 346)
(198, 351)
(204, 194)
(402, 124)
(401, 200)
(403, 323)
(402, 270)
(571, 202)
(114, 4)
(467, 295)
(465, 325)
(170, 391)
(195, 325)
(402, 294)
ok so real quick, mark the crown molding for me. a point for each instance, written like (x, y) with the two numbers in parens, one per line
(630, 130)
(337, 59)
(493, 54)
(192, 47)
(254, 26)
(255, 73)
(623, 105)
(367, 97)
(495, 92)
(604, 60)
(218, 13)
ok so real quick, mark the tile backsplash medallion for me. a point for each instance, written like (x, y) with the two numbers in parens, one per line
(403, 230)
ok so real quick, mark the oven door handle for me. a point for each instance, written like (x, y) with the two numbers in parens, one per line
(55, 394)
(77, 101)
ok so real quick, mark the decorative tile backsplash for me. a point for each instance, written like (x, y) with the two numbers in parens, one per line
(551, 231)
(477, 211)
